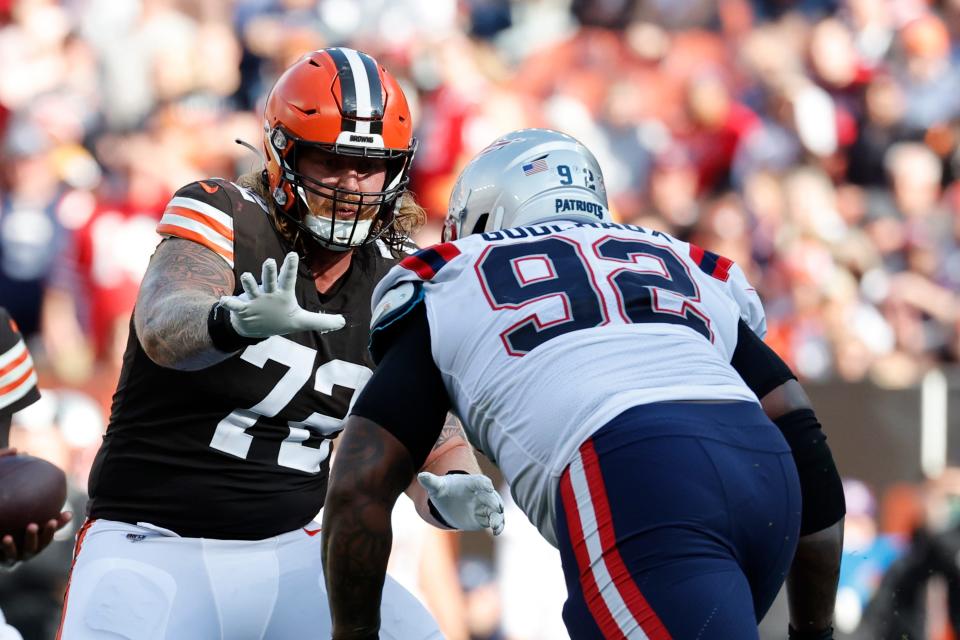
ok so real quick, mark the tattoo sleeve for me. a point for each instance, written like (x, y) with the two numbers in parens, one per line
(451, 429)
(451, 450)
(184, 280)
(371, 470)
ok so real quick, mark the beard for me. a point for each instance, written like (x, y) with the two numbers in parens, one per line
(347, 207)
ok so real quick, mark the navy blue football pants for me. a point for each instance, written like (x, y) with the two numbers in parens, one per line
(677, 520)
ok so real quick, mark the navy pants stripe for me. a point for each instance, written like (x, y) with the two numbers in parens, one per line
(677, 520)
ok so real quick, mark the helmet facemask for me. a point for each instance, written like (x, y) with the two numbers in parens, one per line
(338, 219)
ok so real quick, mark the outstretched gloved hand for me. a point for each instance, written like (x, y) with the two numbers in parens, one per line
(271, 308)
(465, 501)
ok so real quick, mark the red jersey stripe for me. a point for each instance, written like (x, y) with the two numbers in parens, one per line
(696, 253)
(448, 251)
(722, 270)
(642, 612)
(591, 592)
(423, 270)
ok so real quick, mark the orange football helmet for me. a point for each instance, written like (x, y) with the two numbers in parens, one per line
(343, 102)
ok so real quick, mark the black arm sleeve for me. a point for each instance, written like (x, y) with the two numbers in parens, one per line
(406, 395)
(763, 371)
(820, 485)
(759, 365)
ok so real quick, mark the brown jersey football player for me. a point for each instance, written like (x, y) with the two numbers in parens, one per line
(18, 389)
(216, 457)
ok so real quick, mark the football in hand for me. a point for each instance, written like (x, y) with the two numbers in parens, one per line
(31, 490)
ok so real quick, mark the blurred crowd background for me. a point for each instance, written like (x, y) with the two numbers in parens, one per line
(814, 142)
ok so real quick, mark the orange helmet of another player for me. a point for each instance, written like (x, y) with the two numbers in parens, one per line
(342, 102)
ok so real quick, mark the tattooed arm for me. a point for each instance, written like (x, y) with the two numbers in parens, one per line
(450, 453)
(184, 280)
(371, 470)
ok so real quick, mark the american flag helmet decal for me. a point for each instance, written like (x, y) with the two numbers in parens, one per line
(536, 165)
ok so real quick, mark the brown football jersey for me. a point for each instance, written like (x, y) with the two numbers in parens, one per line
(18, 380)
(239, 450)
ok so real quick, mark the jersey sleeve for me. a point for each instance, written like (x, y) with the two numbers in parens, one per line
(18, 379)
(401, 290)
(389, 307)
(201, 212)
(736, 284)
(751, 309)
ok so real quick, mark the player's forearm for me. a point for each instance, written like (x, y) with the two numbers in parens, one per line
(175, 334)
(370, 471)
(813, 578)
(182, 284)
(451, 452)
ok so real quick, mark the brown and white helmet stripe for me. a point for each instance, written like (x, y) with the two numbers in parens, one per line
(361, 93)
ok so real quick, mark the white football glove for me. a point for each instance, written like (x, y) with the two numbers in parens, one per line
(7, 632)
(466, 502)
(271, 308)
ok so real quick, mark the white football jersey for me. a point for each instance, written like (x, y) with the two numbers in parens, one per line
(543, 334)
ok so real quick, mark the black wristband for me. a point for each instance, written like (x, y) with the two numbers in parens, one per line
(224, 337)
(823, 634)
(436, 515)
(433, 509)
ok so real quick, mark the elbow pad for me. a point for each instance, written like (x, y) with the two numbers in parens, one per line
(820, 486)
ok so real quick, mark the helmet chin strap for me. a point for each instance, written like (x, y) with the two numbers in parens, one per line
(341, 229)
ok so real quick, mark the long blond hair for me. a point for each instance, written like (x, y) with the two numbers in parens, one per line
(409, 218)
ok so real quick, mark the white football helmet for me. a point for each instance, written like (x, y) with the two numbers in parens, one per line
(525, 177)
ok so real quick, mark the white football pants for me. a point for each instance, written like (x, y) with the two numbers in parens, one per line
(147, 583)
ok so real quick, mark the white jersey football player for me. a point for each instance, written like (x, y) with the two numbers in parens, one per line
(613, 373)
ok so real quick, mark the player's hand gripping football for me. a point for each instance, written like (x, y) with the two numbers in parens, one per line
(467, 502)
(271, 308)
(36, 537)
